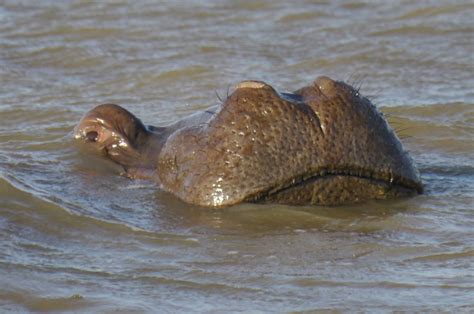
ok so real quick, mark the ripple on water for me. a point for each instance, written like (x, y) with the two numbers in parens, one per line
(76, 236)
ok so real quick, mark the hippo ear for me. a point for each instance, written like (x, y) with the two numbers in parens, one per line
(115, 132)
(248, 149)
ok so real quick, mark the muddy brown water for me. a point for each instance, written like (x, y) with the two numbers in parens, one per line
(77, 237)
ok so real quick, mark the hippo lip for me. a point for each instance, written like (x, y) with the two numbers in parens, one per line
(387, 178)
(380, 178)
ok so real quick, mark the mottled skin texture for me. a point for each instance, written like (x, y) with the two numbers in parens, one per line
(323, 144)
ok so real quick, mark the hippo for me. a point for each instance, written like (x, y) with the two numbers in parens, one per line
(324, 144)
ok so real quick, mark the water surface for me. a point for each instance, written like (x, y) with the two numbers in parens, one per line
(75, 236)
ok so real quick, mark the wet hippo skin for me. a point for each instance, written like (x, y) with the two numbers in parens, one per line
(323, 144)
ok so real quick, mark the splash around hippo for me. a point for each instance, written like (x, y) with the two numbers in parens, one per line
(323, 144)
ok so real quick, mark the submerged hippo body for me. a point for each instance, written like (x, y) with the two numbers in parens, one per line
(323, 144)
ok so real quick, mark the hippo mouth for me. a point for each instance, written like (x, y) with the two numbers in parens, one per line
(341, 186)
(381, 178)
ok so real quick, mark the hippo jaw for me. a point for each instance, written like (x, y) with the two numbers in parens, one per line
(323, 144)
(379, 167)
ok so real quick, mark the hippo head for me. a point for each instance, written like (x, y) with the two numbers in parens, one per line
(323, 144)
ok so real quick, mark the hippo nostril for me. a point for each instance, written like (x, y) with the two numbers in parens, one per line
(92, 136)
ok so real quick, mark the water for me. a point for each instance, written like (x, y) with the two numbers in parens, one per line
(77, 237)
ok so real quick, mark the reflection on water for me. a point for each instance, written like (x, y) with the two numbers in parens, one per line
(76, 236)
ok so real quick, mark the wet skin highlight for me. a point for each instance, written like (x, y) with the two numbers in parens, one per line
(323, 144)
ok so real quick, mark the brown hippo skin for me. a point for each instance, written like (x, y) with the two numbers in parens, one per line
(323, 144)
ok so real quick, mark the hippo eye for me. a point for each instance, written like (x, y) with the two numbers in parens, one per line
(92, 136)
